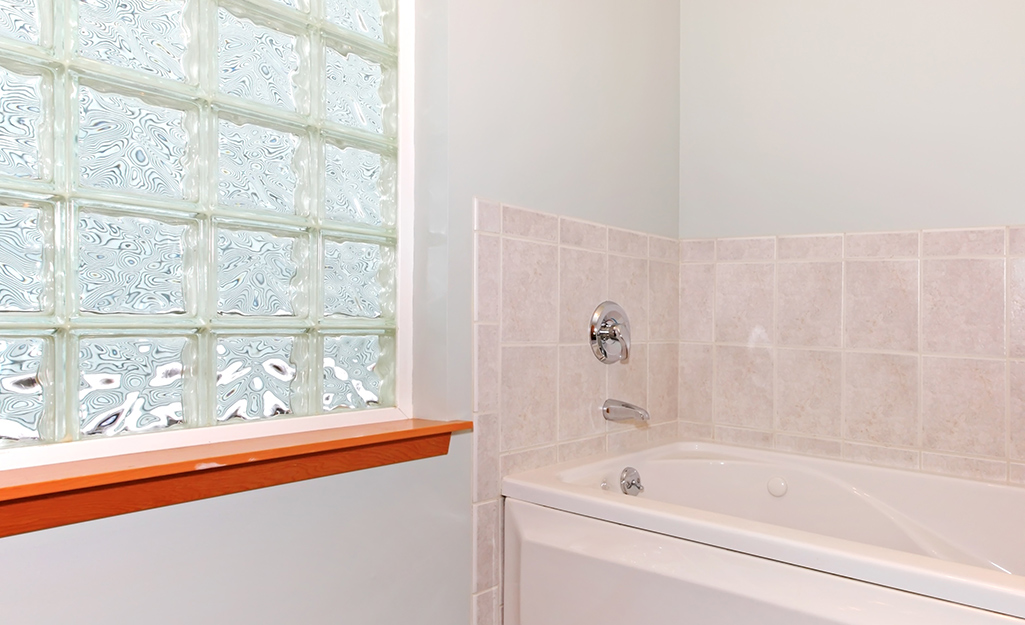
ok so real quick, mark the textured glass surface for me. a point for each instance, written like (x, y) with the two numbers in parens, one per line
(360, 16)
(353, 92)
(125, 144)
(146, 35)
(350, 379)
(254, 377)
(129, 384)
(130, 265)
(19, 19)
(351, 286)
(254, 273)
(21, 113)
(21, 260)
(21, 392)
(256, 168)
(353, 186)
(256, 63)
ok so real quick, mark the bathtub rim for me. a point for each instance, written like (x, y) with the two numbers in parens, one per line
(941, 579)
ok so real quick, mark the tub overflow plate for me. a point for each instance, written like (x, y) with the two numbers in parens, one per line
(777, 487)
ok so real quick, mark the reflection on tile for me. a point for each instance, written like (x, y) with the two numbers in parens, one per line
(744, 303)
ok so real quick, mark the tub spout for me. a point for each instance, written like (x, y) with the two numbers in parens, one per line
(615, 410)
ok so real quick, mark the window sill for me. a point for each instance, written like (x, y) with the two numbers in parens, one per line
(35, 498)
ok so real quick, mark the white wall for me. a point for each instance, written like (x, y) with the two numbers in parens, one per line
(841, 115)
(377, 547)
(568, 107)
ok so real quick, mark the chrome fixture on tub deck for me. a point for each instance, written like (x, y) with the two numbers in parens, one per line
(610, 333)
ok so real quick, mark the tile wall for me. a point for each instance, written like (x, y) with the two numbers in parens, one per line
(902, 349)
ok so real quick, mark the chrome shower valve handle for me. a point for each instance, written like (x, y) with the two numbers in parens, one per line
(610, 333)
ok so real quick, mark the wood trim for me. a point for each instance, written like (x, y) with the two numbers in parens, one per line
(53, 495)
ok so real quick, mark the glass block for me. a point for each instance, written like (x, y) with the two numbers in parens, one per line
(19, 19)
(256, 63)
(21, 260)
(130, 384)
(130, 265)
(352, 279)
(254, 377)
(125, 144)
(353, 92)
(146, 35)
(254, 273)
(21, 391)
(360, 187)
(350, 378)
(21, 116)
(256, 168)
(359, 16)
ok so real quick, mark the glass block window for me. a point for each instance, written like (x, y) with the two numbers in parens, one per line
(197, 213)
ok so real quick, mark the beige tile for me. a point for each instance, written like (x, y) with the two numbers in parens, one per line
(697, 250)
(629, 439)
(970, 468)
(486, 483)
(1016, 416)
(663, 380)
(815, 247)
(744, 386)
(486, 376)
(574, 450)
(583, 234)
(881, 245)
(662, 433)
(881, 304)
(529, 388)
(963, 307)
(1016, 241)
(881, 399)
(759, 248)
(743, 437)
(487, 283)
(663, 301)
(881, 456)
(695, 386)
(687, 431)
(582, 286)
(485, 608)
(808, 446)
(808, 391)
(744, 303)
(487, 216)
(581, 392)
(1016, 302)
(697, 301)
(628, 287)
(520, 222)
(486, 545)
(629, 382)
(628, 243)
(528, 460)
(808, 305)
(663, 249)
(963, 406)
(978, 242)
(530, 292)
(1016, 473)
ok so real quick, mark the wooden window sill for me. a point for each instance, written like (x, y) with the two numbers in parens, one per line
(60, 494)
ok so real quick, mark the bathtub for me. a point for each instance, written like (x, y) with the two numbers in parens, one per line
(731, 535)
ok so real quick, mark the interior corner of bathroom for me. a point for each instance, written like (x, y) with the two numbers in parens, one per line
(732, 291)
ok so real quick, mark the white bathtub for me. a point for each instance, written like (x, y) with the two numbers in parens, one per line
(847, 543)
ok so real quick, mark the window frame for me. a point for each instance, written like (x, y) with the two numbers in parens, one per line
(49, 457)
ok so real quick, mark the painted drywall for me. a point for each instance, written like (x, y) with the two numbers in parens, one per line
(805, 116)
(569, 107)
(377, 547)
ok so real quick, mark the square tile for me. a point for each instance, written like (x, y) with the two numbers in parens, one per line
(582, 286)
(809, 301)
(697, 301)
(744, 303)
(881, 245)
(583, 234)
(809, 391)
(744, 386)
(695, 385)
(963, 306)
(256, 376)
(582, 390)
(963, 406)
(529, 396)
(881, 399)
(628, 286)
(757, 248)
(530, 291)
(881, 304)
(520, 222)
(663, 301)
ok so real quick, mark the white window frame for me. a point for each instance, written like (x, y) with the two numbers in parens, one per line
(63, 452)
